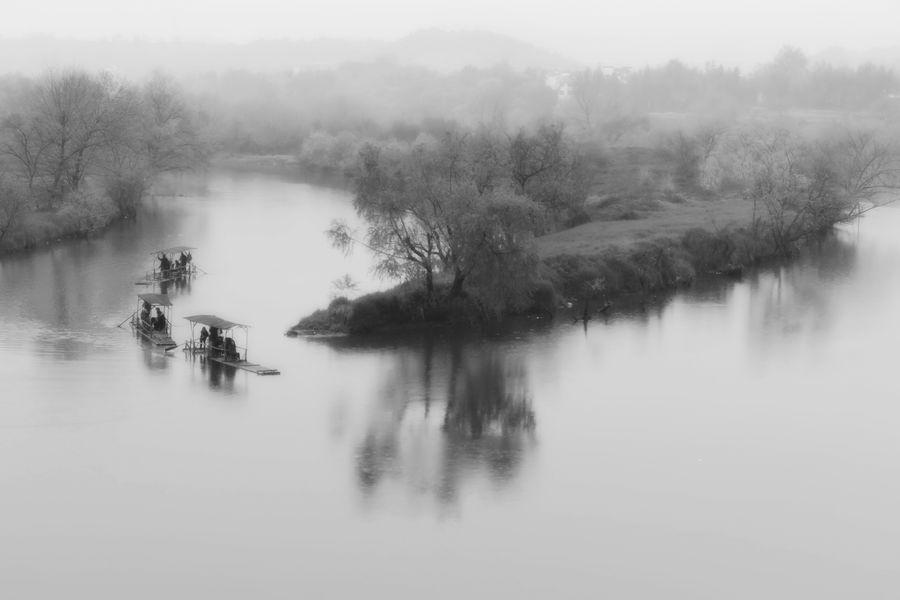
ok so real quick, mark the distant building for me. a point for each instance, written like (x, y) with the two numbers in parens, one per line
(560, 82)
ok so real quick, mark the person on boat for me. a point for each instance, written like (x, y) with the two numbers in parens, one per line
(183, 260)
(203, 335)
(164, 263)
(231, 352)
(160, 320)
(215, 341)
(145, 315)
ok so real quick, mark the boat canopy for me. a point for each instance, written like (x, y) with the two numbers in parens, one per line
(173, 250)
(156, 299)
(214, 321)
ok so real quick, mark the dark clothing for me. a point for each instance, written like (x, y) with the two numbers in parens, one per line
(204, 334)
(231, 352)
(215, 341)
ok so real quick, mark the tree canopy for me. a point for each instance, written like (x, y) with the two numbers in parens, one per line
(455, 209)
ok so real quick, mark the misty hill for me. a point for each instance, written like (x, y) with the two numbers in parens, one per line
(453, 50)
(842, 57)
(433, 48)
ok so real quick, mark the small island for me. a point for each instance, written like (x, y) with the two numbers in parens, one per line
(478, 225)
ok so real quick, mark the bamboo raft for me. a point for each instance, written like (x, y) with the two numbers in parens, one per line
(176, 272)
(162, 339)
(225, 350)
(246, 366)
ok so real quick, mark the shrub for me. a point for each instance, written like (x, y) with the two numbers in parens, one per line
(709, 251)
(543, 299)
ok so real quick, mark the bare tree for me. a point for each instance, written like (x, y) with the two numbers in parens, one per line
(585, 88)
(867, 170)
(169, 136)
(801, 188)
(76, 114)
(23, 142)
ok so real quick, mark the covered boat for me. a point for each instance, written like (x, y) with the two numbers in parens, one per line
(219, 343)
(174, 263)
(153, 320)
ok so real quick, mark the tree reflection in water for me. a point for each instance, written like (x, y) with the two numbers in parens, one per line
(800, 297)
(448, 411)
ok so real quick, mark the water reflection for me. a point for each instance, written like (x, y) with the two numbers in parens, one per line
(154, 358)
(67, 345)
(448, 411)
(218, 377)
(801, 298)
(180, 285)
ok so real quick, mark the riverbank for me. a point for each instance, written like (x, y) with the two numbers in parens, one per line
(92, 211)
(283, 165)
(596, 264)
(82, 215)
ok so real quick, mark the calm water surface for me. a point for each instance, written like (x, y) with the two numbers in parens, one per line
(740, 441)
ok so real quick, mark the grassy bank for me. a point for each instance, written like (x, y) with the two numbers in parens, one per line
(595, 264)
(81, 215)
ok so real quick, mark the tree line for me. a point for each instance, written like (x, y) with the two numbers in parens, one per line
(381, 100)
(71, 135)
(458, 214)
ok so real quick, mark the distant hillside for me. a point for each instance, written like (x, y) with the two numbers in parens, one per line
(435, 49)
(453, 50)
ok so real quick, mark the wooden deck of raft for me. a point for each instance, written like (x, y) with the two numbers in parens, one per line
(246, 366)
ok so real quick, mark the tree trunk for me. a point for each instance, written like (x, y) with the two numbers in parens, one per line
(429, 284)
(457, 287)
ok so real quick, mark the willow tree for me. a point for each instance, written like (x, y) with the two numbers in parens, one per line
(430, 215)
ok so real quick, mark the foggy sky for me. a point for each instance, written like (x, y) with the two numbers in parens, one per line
(633, 33)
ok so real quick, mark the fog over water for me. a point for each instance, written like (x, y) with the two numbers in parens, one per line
(735, 441)
(725, 426)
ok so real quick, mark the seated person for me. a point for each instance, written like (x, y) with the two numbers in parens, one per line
(231, 352)
(215, 340)
(160, 320)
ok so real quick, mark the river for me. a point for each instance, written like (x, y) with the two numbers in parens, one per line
(737, 441)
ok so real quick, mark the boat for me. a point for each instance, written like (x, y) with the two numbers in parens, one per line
(177, 272)
(142, 325)
(221, 346)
